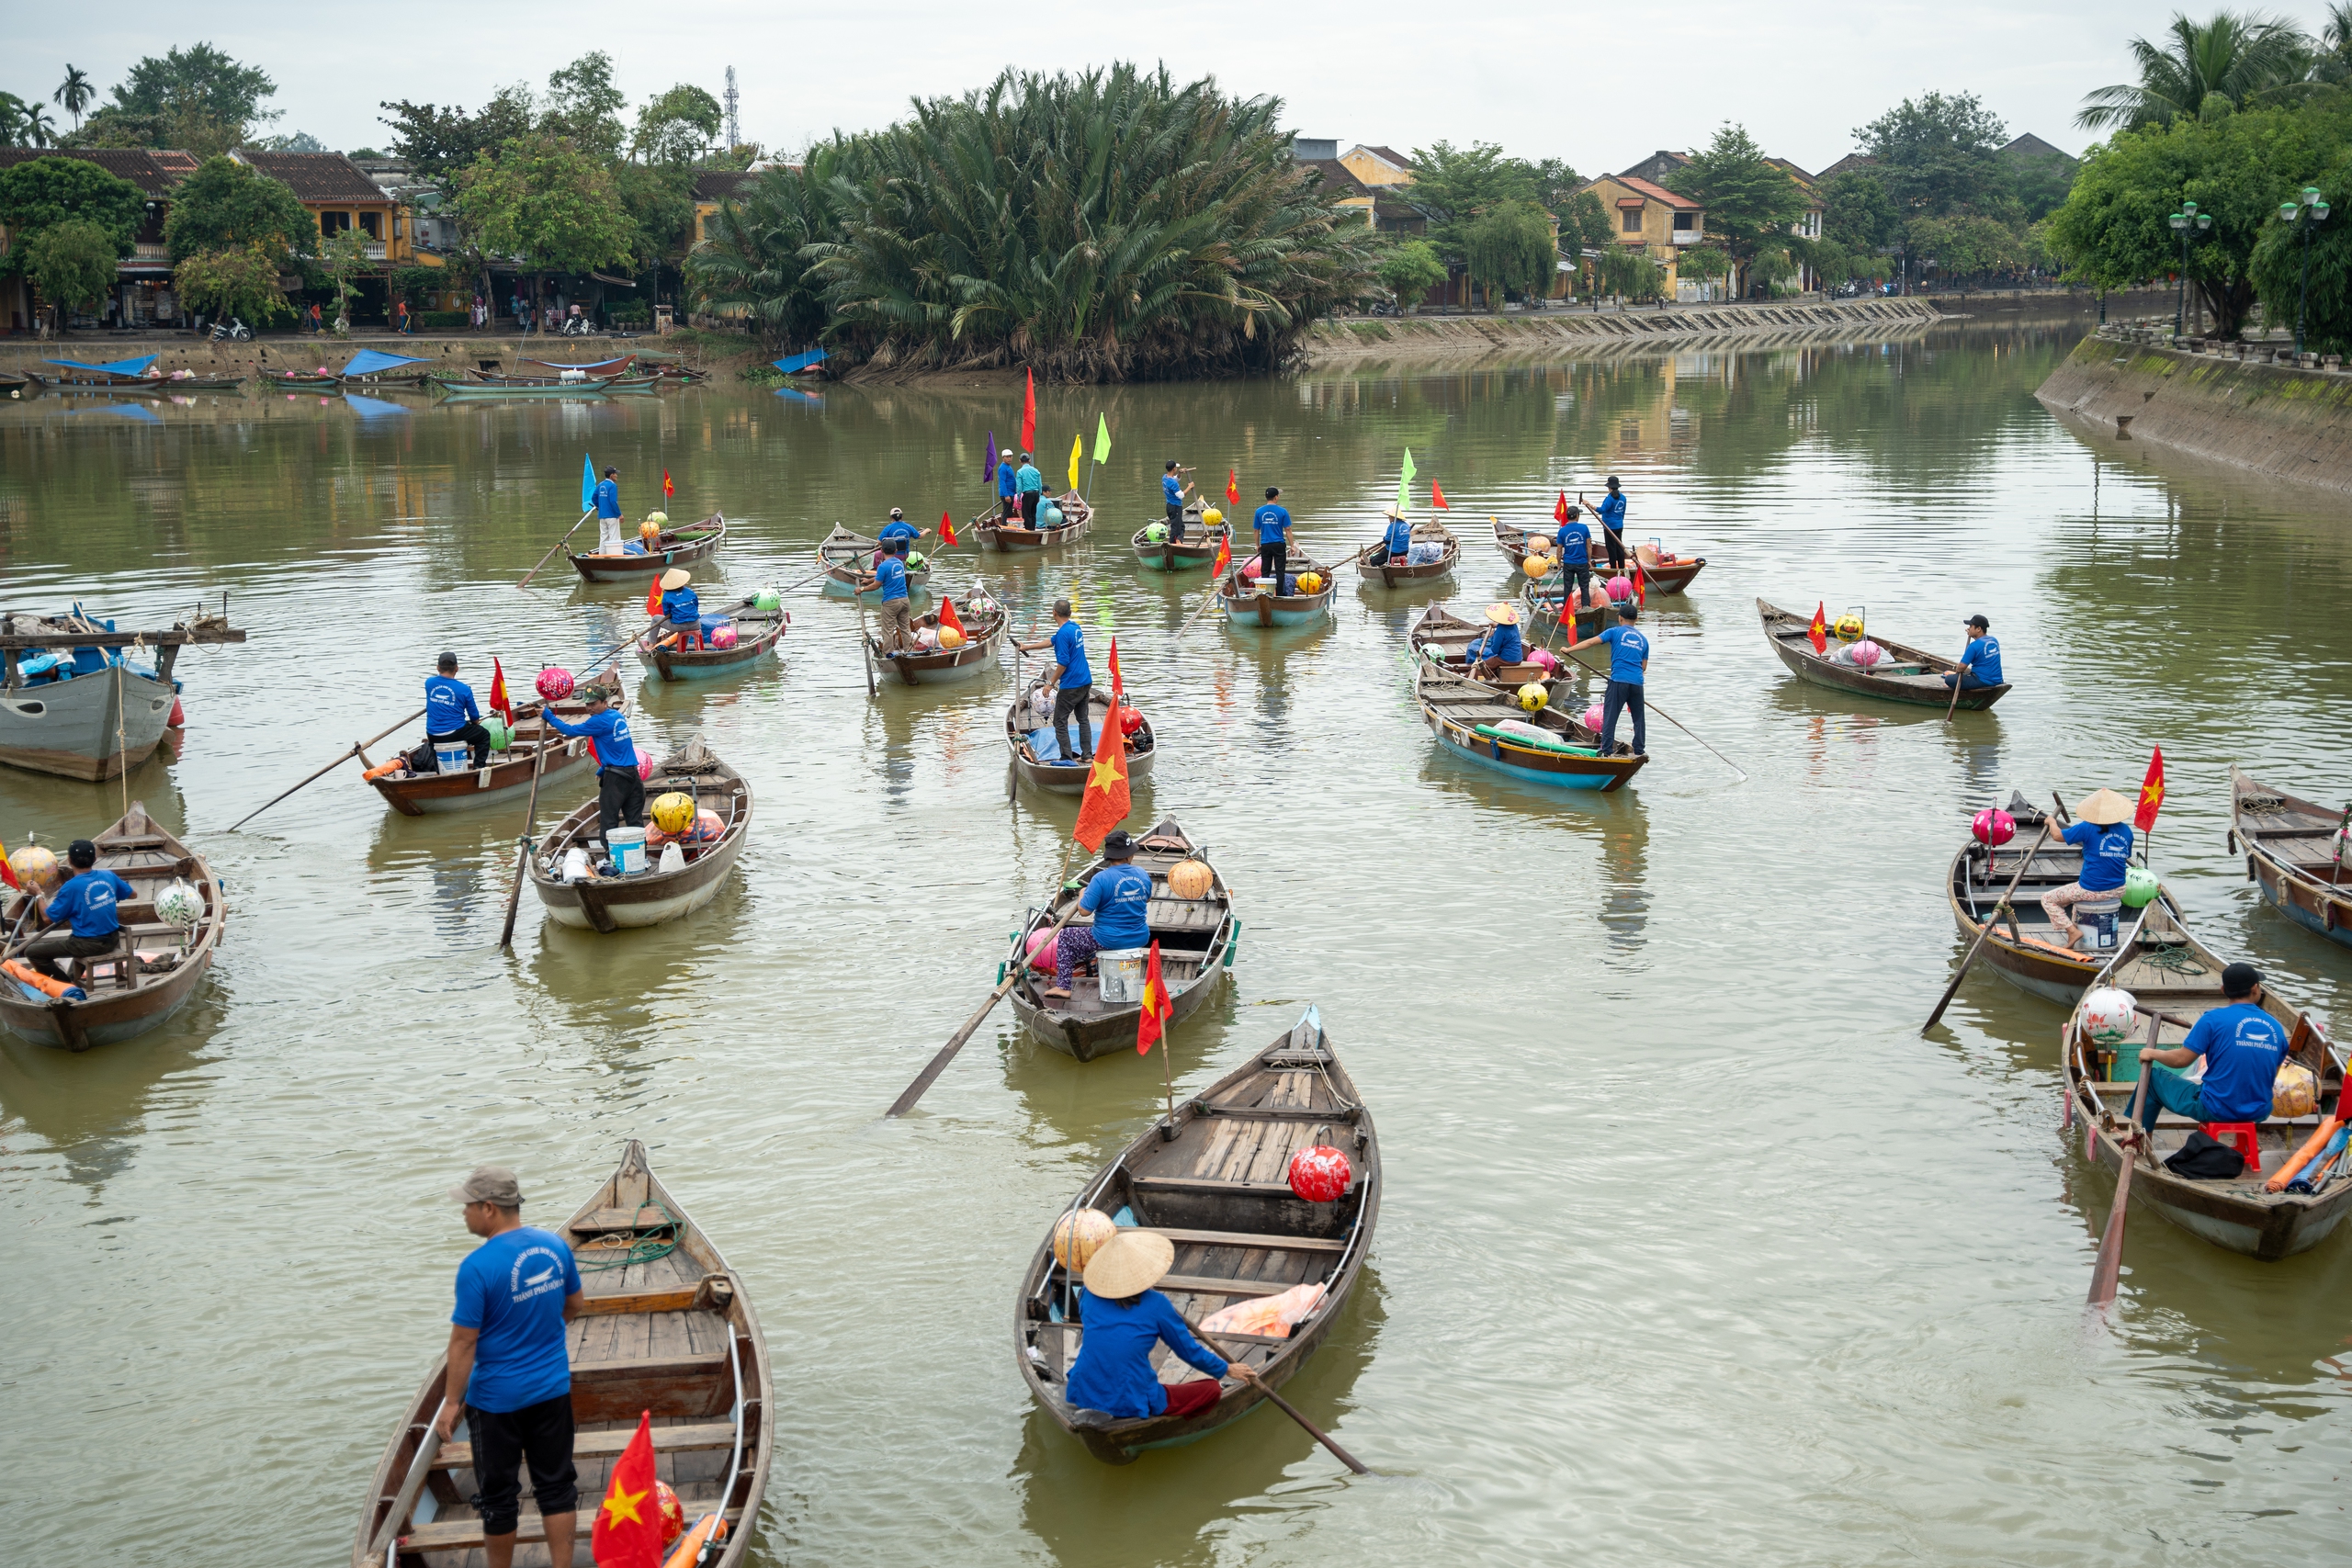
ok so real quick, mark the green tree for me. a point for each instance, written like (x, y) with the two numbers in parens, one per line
(226, 205)
(1584, 224)
(342, 258)
(42, 193)
(1703, 263)
(1454, 184)
(549, 203)
(74, 93)
(437, 141)
(678, 127)
(201, 77)
(1507, 248)
(1857, 213)
(70, 263)
(2040, 183)
(2243, 57)
(1936, 155)
(1625, 270)
(1965, 246)
(241, 281)
(1409, 270)
(583, 107)
(757, 251)
(2277, 266)
(1750, 201)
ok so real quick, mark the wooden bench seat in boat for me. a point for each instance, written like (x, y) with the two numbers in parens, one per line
(603, 1445)
(465, 1535)
(1246, 1240)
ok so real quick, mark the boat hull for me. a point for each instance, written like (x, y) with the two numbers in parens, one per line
(1167, 555)
(651, 897)
(712, 664)
(622, 907)
(431, 795)
(1497, 757)
(1916, 691)
(2299, 901)
(596, 568)
(2292, 851)
(91, 727)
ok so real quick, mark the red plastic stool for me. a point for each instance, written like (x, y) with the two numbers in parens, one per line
(2240, 1133)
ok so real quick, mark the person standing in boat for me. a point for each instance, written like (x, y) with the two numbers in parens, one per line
(2244, 1047)
(1119, 897)
(1981, 659)
(682, 608)
(1501, 644)
(1008, 488)
(510, 1372)
(620, 793)
(1612, 512)
(1574, 537)
(1629, 663)
(889, 574)
(2104, 835)
(1124, 1319)
(1073, 679)
(608, 502)
(1172, 491)
(1032, 486)
(1273, 522)
(449, 710)
(86, 905)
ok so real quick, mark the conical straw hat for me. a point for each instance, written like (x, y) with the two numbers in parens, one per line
(1129, 1264)
(2103, 807)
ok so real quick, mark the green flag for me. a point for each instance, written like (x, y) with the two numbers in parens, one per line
(1405, 481)
(1101, 437)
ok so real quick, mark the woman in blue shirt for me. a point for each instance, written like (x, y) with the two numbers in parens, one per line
(1629, 663)
(2105, 838)
(1500, 646)
(681, 607)
(1123, 1318)
(1119, 897)
(1398, 540)
(1174, 492)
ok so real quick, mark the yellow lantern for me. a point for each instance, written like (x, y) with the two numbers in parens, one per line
(673, 812)
(1849, 627)
(1189, 879)
(1212, 517)
(1080, 1234)
(1536, 565)
(1311, 583)
(1532, 696)
(950, 637)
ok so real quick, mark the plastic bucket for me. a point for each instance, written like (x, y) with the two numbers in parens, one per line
(1122, 972)
(626, 846)
(453, 756)
(2098, 922)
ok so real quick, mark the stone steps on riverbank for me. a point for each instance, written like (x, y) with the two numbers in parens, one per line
(302, 352)
(2278, 419)
(1582, 332)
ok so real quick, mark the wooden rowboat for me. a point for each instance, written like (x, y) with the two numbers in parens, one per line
(1245, 606)
(1076, 519)
(1392, 573)
(652, 895)
(1198, 547)
(984, 622)
(508, 777)
(2022, 949)
(482, 392)
(1214, 1182)
(665, 1326)
(2175, 979)
(1906, 675)
(1464, 714)
(682, 546)
(756, 633)
(1667, 573)
(1069, 778)
(2295, 852)
(156, 967)
(1195, 938)
(1441, 636)
(847, 557)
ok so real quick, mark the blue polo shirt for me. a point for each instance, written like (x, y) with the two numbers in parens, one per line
(1399, 539)
(510, 1290)
(89, 901)
(1029, 481)
(609, 499)
(1575, 541)
(2243, 1048)
(1004, 480)
(1613, 512)
(609, 730)
(1273, 522)
(682, 606)
(1982, 657)
(1113, 1372)
(1119, 896)
(1070, 652)
(1171, 490)
(449, 705)
(898, 528)
(891, 573)
(1627, 648)
(2106, 851)
(1500, 642)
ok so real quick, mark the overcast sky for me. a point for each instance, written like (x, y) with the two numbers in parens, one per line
(1600, 85)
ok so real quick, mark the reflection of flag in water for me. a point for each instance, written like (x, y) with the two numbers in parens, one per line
(1819, 630)
(1157, 1004)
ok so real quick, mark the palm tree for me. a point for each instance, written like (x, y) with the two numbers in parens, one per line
(2241, 56)
(12, 120)
(74, 93)
(39, 130)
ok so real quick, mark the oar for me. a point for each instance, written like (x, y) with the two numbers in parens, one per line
(865, 648)
(1958, 676)
(1953, 989)
(523, 844)
(1258, 1381)
(418, 1471)
(546, 557)
(328, 769)
(1669, 718)
(2111, 1245)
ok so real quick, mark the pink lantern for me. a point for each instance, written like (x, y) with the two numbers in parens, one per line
(1543, 658)
(1867, 653)
(1994, 826)
(1319, 1174)
(723, 637)
(1621, 588)
(1043, 944)
(1255, 570)
(554, 684)
(644, 766)
(1592, 716)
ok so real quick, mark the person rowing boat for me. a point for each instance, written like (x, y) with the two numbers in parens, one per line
(1124, 1318)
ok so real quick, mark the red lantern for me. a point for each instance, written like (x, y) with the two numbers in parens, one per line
(1130, 719)
(1319, 1174)
(1994, 826)
(674, 1513)
(555, 684)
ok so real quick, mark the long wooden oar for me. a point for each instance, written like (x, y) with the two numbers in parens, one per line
(550, 555)
(2111, 1245)
(1958, 676)
(418, 1472)
(523, 844)
(1287, 1408)
(1975, 947)
(328, 769)
(1571, 653)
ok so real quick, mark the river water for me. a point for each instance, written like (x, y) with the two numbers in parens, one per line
(1692, 1248)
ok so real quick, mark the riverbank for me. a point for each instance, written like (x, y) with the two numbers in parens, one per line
(2277, 419)
(301, 351)
(1581, 332)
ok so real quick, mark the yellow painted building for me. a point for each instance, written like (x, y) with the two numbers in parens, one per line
(1378, 166)
(1647, 216)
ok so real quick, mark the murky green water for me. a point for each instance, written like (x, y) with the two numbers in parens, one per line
(1692, 1251)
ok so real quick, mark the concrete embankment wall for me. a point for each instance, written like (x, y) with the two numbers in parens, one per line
(2274, 419)
(1585, 332)
(303, 352)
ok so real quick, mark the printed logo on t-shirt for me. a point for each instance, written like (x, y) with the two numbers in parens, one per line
(620, 728)
(537, 1270)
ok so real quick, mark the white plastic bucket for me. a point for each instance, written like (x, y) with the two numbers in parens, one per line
(453, 756)
(1122, 972)
(626, 846)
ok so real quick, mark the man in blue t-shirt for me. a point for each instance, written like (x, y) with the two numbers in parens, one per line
(1172, 491)
(1612, 512)
(1574, 537)
(1273, 522)
(510, 1369)
(1008, 488)
(449, 710)
(1981, 659)
(1074, 682)
(1629, 660)
(1032, 486)
(2105, 838)
(889, 575)
(620, 793)
(85, 907)
(607, 503)
(899, 528)
(1119, 897)
(2243, 1048)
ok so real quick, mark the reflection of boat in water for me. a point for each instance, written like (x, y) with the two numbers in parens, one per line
(73, 704)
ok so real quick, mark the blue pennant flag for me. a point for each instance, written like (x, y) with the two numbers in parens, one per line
(587, 483)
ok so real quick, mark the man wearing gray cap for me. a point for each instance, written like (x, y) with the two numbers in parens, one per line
(509, 1365)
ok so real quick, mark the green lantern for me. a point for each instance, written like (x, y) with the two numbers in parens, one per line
(2139, 886)
(501, 734)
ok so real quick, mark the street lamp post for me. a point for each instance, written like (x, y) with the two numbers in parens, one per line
(2187, 218)
(2303, 213)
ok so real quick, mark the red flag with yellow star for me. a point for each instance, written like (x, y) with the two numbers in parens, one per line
(1819, 630)
(7, 871)
(1223, 554)
(1105, 804)
(629, 1525)
(1233, 487)
(498, 701)
(947, 529)
(2152, 793)
(1118, 689)
(1158, 1005)
(653, 595)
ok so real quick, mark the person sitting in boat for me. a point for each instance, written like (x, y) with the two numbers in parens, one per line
(681, 608)
(2104, 835)
(607, 503)
(449, 710)
(896, 529)
(85, 906)
(1501, 644)
(1981, 659)
(1119, 897)
(1124, 1318)
(620, 793)
(2243, 1048)
(1397, 545)
(1008, 489)
(1172, 492)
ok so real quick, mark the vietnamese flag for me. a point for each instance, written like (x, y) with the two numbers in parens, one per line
(947, 616)
(1117, 691)
(498, 701)
(1224, 554)
(1437, 496)
(7, 871)
(668, 490)
(1819, 630)
(1232, 486)
(946, 528)
(2152, 793)
(1029, 414)
(629, 1525)
(1641, 582)
(1157, 1004)
(653, 595)
(1105, 804)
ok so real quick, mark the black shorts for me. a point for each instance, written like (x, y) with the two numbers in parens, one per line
(503, 1440)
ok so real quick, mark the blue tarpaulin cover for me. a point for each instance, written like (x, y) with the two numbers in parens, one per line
(367, 361)
(118, 368)
(801, 361)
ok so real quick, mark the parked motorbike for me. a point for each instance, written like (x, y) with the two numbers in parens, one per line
(577, 326)
(232, 331)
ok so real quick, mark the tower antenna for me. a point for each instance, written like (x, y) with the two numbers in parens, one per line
(734, 125)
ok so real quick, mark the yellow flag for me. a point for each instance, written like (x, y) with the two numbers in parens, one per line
(1076, 444)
